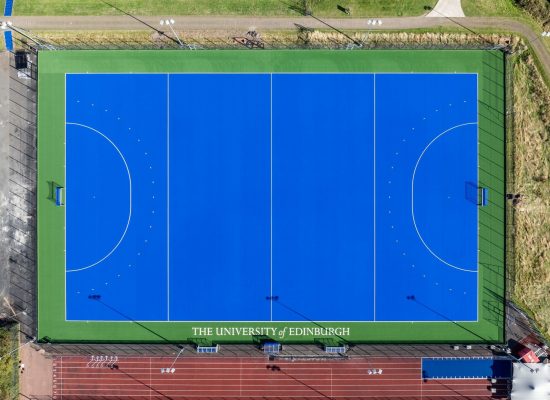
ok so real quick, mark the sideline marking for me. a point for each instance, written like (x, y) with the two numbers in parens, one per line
(374, 196)
(271, 196)
(168, 197)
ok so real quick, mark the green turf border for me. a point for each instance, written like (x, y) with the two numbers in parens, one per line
(51, 117)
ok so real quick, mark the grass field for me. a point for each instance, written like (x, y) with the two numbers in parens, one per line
(359, 8)
(490, 8)
(532, 12)
(529, 9)
(531, 283)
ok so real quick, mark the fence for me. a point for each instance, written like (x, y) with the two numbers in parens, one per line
(510, 181)
(23, 152)
(22, 193)
(301, 38)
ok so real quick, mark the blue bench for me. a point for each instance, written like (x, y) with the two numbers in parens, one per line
(8, 8)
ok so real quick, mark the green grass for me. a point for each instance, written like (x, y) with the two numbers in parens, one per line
(360, 8)
(51, 106)
(490, 8)
(8, 364)
(531, 175)
(502, 8)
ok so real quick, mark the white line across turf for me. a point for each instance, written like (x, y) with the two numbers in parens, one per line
(168, 197)
(130, 199)
(271, 196)
(374, 195)
(478, 211)
(66, 202)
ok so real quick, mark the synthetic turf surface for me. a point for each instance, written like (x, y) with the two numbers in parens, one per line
(319, 189)
(390, 297)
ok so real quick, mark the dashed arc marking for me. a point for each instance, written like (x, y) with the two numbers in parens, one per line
(130, 198)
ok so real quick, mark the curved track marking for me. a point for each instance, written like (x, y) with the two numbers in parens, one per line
(412, 199)
(130, 196)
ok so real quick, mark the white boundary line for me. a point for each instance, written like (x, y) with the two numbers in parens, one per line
(374, 196)
(271, 75)
(412, 198)
(271, 196)
(66, 198)
(168, 197)
(276, 321)
(130, 199)
(478, 288)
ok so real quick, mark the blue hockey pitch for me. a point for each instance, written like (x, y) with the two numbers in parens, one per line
(204, 197)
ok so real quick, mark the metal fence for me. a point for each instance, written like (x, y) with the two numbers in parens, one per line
(22, 192)
(301, 38)
(23, 99)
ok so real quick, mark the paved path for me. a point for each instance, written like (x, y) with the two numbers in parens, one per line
(242, 24)
(447, 8)
(36, 381)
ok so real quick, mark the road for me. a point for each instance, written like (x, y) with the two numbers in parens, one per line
(239, 23)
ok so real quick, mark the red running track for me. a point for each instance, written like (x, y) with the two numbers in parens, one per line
(209, 378)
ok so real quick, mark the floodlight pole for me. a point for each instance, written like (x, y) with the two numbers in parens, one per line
(171, 22)
(23, 312)
(17, 348)
(493, 347)
(372, 23)
(514, 358)
(176, 35)
(178, 356)
(171, 369)
(355, 42)
(22, 32)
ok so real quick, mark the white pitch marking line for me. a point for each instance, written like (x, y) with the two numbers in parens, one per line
(374, 196)
(66, 202)
(477, 210)
(412, 198)
(130, 196)
(168, 197)
(271, 196)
